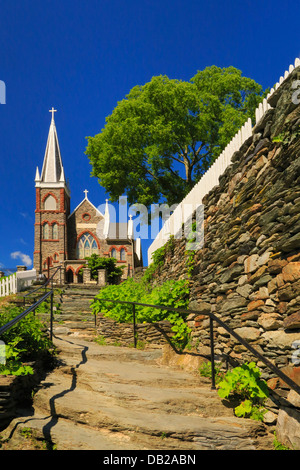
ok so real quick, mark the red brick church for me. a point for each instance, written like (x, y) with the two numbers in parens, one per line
(66, 238)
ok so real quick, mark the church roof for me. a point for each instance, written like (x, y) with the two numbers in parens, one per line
(98, 213)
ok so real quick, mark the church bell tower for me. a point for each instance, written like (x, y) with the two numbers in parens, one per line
(52, 208)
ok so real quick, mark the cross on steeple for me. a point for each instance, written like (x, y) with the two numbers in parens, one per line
(85, 192)
(52, 111)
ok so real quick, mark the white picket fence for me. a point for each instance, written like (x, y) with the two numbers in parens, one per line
(17, 282)
(8, 285)
(193, 199)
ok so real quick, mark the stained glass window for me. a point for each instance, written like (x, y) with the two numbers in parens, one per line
(55, 231)
(86, 246)
(45, 231)
(113, 253)
(122, 254)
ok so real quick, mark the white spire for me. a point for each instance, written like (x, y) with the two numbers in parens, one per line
(37, 175)
(130, 228)
(62, 175)
(52, 171)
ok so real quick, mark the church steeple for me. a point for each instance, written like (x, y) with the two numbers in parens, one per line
(52, 171)
(52, 206)
(52, 166)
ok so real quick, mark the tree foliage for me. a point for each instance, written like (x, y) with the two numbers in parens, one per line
(95, 262)
(164, 135)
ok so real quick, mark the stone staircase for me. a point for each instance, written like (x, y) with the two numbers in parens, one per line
(102, 397)
(118, 398)
(72, 312)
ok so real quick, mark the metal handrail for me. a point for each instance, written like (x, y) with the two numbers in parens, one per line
(213, 318)
(19, 317)
(43, 286)
(22, 315)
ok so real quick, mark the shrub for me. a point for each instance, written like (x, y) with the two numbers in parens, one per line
(171, 294)
(95, 262)
(245, 382)
(13, 364)
(159, 257)
(23, 341)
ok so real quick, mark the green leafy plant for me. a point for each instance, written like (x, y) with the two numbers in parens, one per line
(100, 340)
(158, 258)
(279, 138)
(171, 294)
(31, 330)
(44, 307)
(205, 371)
(27, 432)
(22, 342)
(249, 410)
(278, 445)
(95, 262)
(13, 364)
(190, 262)
(245, 382)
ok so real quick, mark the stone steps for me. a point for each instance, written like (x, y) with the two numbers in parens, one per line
(117, 398)
(72, 314)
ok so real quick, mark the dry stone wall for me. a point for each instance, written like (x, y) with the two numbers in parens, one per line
(122, 333)
(248, 271)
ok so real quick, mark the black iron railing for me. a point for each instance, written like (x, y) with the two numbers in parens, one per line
(213, 318)
(33, 307)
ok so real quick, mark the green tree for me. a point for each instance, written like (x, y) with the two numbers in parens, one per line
(164, 135)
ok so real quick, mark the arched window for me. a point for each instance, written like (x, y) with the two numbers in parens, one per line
(86, 246)
(46, 231)
(113, 253)
(55, 231)
(50, 203)
(122, 254)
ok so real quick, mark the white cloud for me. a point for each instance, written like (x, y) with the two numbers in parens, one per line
(26, 216)
(24, 258)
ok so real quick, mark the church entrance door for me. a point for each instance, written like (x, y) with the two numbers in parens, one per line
(69, 276)
(79, 277)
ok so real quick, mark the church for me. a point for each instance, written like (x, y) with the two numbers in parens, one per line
(64, 238)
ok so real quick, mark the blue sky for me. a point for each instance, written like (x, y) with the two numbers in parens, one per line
(82, 57)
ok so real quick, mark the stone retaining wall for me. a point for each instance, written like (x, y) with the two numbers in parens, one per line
(122, 333)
